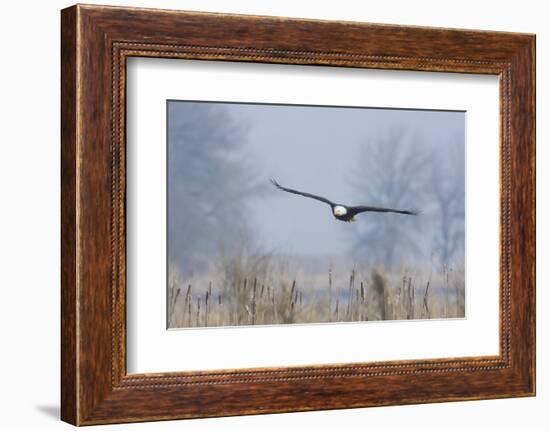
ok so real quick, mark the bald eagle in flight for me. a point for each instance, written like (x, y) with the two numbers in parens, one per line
(343, 212)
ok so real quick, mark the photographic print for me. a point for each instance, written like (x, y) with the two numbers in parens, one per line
(298, 214)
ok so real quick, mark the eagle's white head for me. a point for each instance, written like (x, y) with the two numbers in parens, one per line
(339, 210)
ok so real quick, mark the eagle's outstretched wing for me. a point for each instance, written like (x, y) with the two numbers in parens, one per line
(361, 209)
(296, 192)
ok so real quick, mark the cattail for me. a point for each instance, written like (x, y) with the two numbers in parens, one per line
(188, 298)
(198, 310)
(172, 304)
(409, 296)
(206, 305)
(275, 314)
(178, 291)
(329, 290)
(350, 294)
(292, 299)
(412, 303)
(426, 299)
(220, 315)
(254, 303)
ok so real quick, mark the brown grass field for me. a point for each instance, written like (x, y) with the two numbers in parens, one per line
(263, 291)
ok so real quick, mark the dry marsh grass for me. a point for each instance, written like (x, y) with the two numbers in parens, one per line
(263, 291)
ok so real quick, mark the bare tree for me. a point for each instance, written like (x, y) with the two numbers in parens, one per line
(393, 171)
(209, 180)
(449, 196)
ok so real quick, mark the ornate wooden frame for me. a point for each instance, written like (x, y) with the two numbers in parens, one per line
(95, 43)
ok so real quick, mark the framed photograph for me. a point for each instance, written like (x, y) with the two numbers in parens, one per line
(264, 214)
(263, 258)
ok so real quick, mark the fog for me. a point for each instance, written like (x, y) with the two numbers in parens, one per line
(221, 157)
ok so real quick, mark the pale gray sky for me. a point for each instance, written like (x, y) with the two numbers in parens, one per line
(318, 150)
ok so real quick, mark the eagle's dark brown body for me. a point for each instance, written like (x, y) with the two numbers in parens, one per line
(343, 212)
